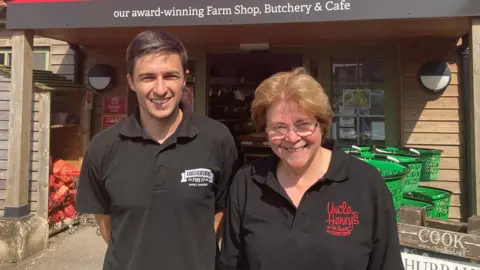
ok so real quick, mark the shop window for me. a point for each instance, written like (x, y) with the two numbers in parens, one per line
(358, 100)
(41, 58)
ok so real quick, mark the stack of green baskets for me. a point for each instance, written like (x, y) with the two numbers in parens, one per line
(357, 148)
(412, 162)
(420, 203)
(431, 159)
(422, 166)
(439, 198)
(394, 175)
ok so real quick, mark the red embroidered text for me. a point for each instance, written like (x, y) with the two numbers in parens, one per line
(341, 219)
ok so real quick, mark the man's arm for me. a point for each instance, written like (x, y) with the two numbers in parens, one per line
(92, 198)
(104, 226)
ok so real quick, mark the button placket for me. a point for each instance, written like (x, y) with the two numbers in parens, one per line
(160, 177)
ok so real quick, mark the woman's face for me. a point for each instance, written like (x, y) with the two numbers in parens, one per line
(295, 149)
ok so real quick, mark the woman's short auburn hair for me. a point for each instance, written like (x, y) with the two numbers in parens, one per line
(297, 86)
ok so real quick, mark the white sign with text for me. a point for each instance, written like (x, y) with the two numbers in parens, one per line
(417, 262)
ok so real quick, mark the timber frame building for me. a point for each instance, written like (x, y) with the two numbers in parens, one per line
(385, 49)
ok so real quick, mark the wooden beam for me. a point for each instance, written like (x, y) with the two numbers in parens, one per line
(20, 118)
(475, 102)
(44, 153)
(85, 121)
(201, 91)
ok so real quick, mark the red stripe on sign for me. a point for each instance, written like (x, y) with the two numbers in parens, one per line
(46, 1)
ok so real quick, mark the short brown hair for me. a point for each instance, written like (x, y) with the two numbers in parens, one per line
(298, 86)
(154, 42)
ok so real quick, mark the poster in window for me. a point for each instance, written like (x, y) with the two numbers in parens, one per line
(356, 98)
(115, 104)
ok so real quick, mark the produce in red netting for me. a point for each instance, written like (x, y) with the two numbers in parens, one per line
(62, 190)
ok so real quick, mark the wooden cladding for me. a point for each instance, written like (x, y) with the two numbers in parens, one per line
(432, 120)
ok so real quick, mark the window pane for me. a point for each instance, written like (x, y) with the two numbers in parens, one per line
(9, 59)
(40, 61)
(372, 129)
(344, 71)
(371, 71)
(377, 102)
(2, 58)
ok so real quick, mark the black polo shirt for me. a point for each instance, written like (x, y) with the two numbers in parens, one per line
(346, 221)
(162, 198)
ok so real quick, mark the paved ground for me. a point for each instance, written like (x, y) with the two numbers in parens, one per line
(81, 250)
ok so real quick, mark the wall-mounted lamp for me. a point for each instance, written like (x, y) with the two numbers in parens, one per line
(434, 76)
(101, 77)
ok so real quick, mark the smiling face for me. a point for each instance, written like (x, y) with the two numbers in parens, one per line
(158, 80)
(295, 151)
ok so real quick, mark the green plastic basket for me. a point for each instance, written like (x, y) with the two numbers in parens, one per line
(421, 204)
(414, 163)
(440, 198)
(394, 174)
(430, 163)
(356, 148)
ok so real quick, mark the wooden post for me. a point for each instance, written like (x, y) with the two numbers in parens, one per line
(44, 153)
(474, 225)
(475, 94)
(201, 91)
(20, 119)
(85, 119)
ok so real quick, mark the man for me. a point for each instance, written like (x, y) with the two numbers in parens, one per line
(157, 181)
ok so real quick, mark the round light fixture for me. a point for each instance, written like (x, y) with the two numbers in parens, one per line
(434, 76)
(101, 77)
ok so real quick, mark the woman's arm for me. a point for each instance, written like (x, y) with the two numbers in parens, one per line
(386, 253)
(231, 244)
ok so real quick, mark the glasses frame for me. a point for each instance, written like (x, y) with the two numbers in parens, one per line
(291, 128)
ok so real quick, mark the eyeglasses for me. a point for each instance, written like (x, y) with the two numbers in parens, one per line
(302, 130)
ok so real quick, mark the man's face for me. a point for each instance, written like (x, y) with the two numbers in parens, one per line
(158, 80)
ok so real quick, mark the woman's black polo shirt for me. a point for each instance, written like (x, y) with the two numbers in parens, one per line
(162, 198)
(346, 221)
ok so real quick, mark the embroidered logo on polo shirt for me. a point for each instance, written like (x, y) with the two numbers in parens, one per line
(197, 177)
(341, 219)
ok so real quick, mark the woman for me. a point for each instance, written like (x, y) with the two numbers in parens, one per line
(311, 205)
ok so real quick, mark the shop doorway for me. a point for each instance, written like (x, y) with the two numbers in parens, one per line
(232, 80)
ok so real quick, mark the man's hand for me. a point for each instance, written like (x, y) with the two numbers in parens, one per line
(218, 225)
(103, 222)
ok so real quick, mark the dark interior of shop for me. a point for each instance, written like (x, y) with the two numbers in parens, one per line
(232, 80)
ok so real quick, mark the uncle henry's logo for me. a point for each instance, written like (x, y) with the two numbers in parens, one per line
(341, 219)
(197, 177)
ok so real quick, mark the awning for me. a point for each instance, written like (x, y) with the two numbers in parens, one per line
(50, 14)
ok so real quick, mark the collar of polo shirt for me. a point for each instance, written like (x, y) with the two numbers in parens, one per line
(337, 170)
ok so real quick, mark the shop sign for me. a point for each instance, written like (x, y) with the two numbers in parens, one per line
(127, 13)
(115, 104)
(109, 121)
(440, 241)
(418, 262)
